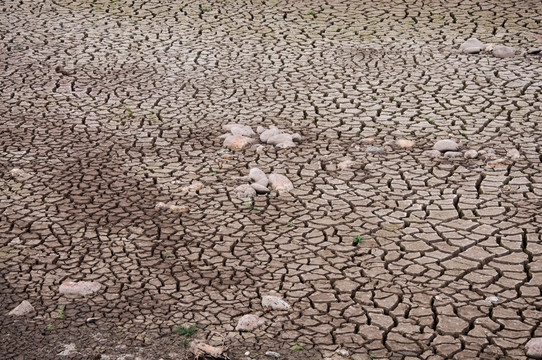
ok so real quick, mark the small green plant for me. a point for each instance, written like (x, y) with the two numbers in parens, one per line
(392, 98)
(168, 254)
(50, 326)
(203, 9)
(60, 314)
(311, 12)
(276, 3)
(371, 356)
(186, 331)
(297, 346)
(357, 239)
(185, 342)
(374, 97)
(431, 121)
(290, 223)
(250, 204)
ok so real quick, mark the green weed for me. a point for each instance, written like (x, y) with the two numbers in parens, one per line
(357, 239)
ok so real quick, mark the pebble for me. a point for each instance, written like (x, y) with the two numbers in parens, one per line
(18, 173)
(472, 46)
(502, 51)
(368, 141)
(535, 51)
(453, 154)
(22, 309)
(492, 299)
(446, 145)
(471, 154)
(375, 150)
(245, 191)
(280, 183)
(238, 142)
(276, 355)
(79, 288)
(275, 303)
(286, 145)
(296, 137)
(432, 153)
(193, 187)
(248, 323)
(533, 348)
(496, 162)
(171, 207)
(404, 143)
(513, 154)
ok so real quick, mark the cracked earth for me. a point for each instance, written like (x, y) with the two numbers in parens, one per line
(109, 107)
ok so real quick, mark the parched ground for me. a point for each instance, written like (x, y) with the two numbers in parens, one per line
(111, 106)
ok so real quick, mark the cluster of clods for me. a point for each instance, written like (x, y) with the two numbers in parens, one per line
(241, 136)
(451, 150)
(259, 182)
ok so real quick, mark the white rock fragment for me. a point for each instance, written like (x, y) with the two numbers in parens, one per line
(492, 299)
(260, 129)
(472, 46)
(533, 348)
(453, 154)
(22, 309)
(296, 137)
(280, 183)
(274, 354)
(446, 145)
(275, 303)
(79, 288)
(432, 153)
(285, 145)
(248, 323)
(196, 186)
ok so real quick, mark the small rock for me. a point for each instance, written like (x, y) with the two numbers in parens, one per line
(260, 129)
(375, 150)
(470, 154)
(228, 127)
(260, 149)
(242, 131)
(346, 164)
(276, 355)
(200, 349)
(91, 320)
(275, 303)
(69, 349)
(445, 145)
(296, 137)
(22, 309)
(502, 51)
(260, 189)
(248, 323)
(453, 154)
(367, 141)
(193, 187)
(258, 176)
(272, 131)
(245, 191)
(492, 299)
(280, 183)
(285, 145)
(79, 288)
(513, 154)
(404, 143)
(238, 142)
(432, 153)
(279, 138)
(472, 46)
(343, 352)
(533, 348)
